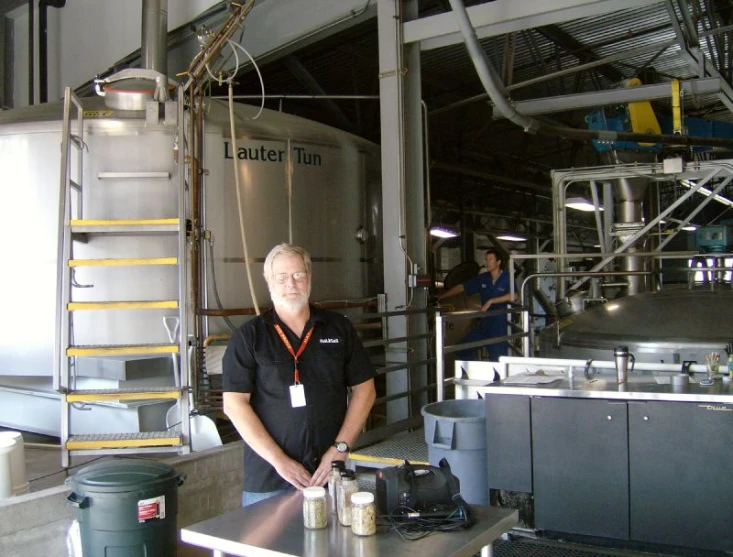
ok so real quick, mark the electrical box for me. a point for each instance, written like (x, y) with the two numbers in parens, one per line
(717, 238)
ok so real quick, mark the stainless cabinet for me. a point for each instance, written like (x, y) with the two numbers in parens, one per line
(648, 471)
(681, 473)
(509, 443)
(580, 466)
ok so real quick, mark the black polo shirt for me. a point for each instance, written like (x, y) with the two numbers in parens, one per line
(256, 361)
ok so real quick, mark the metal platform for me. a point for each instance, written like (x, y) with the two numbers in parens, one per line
(409, 445)
(522, 547)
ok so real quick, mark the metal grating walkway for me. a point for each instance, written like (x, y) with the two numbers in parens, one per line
(524, 547)
(409, 445)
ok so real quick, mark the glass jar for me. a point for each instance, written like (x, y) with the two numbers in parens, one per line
(363, 514)
(337, 466)
(346, 488)
(314, 508)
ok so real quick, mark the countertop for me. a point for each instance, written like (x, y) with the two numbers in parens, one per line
(274, 527)
(640, 386)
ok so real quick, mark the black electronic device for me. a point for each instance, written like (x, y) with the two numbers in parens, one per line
(411, 491)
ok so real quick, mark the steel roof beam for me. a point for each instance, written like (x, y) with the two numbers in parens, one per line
(691, 53)
(506, 16)
(576, 48)
(547, 105)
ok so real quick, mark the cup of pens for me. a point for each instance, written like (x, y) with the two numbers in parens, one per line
(712, 365)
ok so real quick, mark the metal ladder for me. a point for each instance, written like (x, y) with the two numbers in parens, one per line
(73, 228)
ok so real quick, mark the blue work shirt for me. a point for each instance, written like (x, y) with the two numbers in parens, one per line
(492, 325)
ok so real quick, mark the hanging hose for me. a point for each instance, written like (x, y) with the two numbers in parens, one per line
(239, 200)
(215, 288)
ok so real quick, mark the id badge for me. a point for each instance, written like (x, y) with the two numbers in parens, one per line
(297, 395)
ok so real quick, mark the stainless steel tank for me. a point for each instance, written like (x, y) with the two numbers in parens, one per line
(302, 182)
(670, 326)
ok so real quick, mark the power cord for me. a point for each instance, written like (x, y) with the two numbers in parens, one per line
(411, 524)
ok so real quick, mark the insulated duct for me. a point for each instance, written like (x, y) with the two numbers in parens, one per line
(628, 195)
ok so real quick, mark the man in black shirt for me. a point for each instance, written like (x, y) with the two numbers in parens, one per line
(286, 378)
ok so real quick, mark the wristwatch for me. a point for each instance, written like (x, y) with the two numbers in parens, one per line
(342, 446)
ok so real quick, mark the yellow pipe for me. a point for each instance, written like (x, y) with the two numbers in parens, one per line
(676, 107)
(213, 338)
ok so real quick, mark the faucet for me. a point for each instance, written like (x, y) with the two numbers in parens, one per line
(586, 370)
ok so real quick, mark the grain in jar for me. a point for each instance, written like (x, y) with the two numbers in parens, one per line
(363, 514)
(314, 508)
(346, 489)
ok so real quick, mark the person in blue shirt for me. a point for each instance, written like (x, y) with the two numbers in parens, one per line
(493, 286)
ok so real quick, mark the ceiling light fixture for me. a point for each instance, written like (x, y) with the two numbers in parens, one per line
(581, 204)
(511, 237)
(442, 231)
(689, 227)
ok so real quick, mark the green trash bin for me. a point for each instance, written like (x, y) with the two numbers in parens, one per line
(126, 508)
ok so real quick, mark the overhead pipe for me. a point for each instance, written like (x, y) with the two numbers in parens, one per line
(154, 41)
(497, 93)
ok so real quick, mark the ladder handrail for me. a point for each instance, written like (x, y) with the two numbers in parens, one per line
(71, 221)
(183, 270)
(61, 367)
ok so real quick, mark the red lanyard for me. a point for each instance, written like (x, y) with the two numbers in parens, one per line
(287, 344)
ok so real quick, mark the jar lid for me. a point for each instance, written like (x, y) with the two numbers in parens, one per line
(338, 464)
(362, 498)
(314, 492)
(350, 474)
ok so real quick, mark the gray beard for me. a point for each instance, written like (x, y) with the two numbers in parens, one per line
(290, 306)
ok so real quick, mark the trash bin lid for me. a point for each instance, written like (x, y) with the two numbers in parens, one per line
(459, 410)
(121, 475)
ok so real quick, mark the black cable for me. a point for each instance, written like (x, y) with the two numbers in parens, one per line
(411, 524)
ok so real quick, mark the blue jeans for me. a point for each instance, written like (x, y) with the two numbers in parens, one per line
(251, 497)
(495, 350)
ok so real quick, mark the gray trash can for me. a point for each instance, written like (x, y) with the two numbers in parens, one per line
(456, 430)
(126, 508)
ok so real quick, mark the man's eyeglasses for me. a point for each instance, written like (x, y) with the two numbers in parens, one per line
(282, 278)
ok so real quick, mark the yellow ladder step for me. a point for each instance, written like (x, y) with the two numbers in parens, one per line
(124, 261)
(125, 226)
(150, 304)
(123, 440)
(122, 350)
(103, 395)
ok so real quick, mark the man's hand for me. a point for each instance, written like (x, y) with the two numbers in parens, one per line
(293, 472)
(320, 476)
(486, 306)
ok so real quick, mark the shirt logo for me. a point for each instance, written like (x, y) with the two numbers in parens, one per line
(329, 341)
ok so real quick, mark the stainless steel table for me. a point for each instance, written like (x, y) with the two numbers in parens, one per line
(274, 528)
